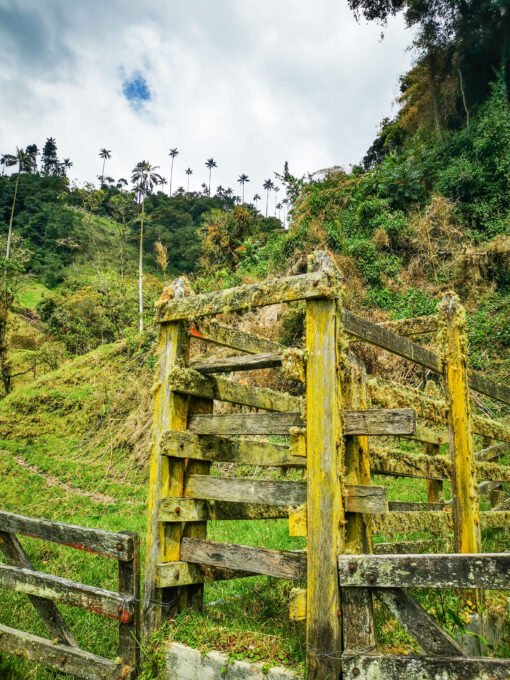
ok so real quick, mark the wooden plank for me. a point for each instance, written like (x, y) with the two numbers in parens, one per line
(419, 325)
(291, 565)
(373, 422)
(399, 463)
(481, 570)
(245, 362)
(106, 543)
(47, 610)
(405, 506)
(64, 659)
(481, 383)
(166, 476)
(494, 519)
(399, 547)
(188, 381)
(464, 491)
(358, 498)
(384, 338)
(418, 623)
(389, 394)
(397, 523)
(100, 601)
(129, 631)
(493, 472)
(491, 453)
(435, 487)
(174, 574)
(268, 292)
(492, 429)
(375, 667)
(198, 510)
(325, 511)
(224, 450)
(429, 436)
(229, 336)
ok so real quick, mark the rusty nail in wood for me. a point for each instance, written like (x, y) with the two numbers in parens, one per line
(177, 510)
(176, 575)
(356, 672)
(119, 547)
(315, 283)
(63, 659)
(352, 567)
(371, 577)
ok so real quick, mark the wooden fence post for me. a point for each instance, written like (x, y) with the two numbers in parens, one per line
(129, 584)
(325, 512)
(453, 339)
(166, 474)
(357, 608)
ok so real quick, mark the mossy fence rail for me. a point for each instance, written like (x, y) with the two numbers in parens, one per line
(338, 508)
(61, 651)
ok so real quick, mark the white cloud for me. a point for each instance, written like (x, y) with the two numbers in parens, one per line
(251, 84)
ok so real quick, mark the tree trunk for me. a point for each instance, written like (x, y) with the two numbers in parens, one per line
(171, 177)
(267, 202)
(9, 233)
(140, 272)
(102, 176)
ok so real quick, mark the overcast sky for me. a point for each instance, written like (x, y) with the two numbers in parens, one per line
(251, 83)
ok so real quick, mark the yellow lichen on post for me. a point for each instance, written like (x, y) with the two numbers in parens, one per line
(453, 342)
(297, 522)
(325, 514)
(297, 604)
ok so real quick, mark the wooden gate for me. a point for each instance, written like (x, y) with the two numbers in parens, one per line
(328, 432)
(62, 651)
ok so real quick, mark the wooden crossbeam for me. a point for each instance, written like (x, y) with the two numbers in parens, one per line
(374, 422)
(247, 362)
(249, 494)
(270, 292)
(65, 659)
(188, 381)
(277, 563)
(424, 667)
(480, 570)
(431, 637)
(174, 574)
(492, 452)
(109, 544)
(47, 610)
(228, 336)
(104, 602)
(224, 450)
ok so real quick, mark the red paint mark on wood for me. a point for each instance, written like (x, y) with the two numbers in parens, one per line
(195, 333)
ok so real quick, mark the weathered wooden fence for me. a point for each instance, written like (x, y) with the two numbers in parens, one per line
(61, 651)
(338, 508)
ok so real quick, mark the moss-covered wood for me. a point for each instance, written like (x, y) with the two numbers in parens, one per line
(229, 336)
(175, 574)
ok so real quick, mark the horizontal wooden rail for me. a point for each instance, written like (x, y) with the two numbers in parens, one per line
(374, 422)
(438, 523)
(103, 602)
(492, 452)
(200, 510)
(384, 338)
(419, 325)
(484, 570)
(173, 574)
(224, 450)
(188, 381)
(256, 492)
(65, 659)
(269, 292)
(116, 545)
(424, 667)
(228, 336)
(405, 506)
(245, 362)
(291, 565)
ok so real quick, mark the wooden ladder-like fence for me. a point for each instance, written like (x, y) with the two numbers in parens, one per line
(328, 431)
(61, 651)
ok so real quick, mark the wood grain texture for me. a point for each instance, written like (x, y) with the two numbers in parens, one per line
(378, 667)
(57, 628)
(109, 544)
(373, 422)
(269, 292)
(483, 570)
(129, 631)
(224, 450)
(188, 381)
(431, 637)
(196, 510)
(64, 659)
(103, 602)
(291, 565)
(174, 574)
(247, 362)
(229, 336)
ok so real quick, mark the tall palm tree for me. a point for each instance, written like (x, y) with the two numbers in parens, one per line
(105, 154)
(285, 210)
(276, 189)
(210, 164)
(268, 186)
(145, 178)
(67, 164)
(189, 172)
(21, 159)
(242, 181)
(256, 199)
(279, 208)
(172, 153)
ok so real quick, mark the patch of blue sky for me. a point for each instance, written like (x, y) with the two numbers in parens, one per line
(136, 90)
